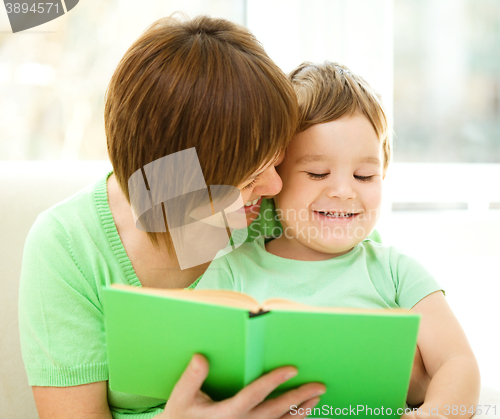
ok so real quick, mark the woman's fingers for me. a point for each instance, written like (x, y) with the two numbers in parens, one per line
(302, 411)
(251, 398)
(248, 403)
(255, 393)
(300, 397)
(188, 386)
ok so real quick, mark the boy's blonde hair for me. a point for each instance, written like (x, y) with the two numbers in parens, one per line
(328, 91)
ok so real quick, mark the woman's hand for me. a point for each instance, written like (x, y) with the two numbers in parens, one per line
(187, 401)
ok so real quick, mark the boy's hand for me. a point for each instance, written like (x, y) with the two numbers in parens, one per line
(187, 401)
(422, 415)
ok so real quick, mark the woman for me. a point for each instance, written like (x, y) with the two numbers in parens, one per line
(207, 84)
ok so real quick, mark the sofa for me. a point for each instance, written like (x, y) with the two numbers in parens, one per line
(26, 189)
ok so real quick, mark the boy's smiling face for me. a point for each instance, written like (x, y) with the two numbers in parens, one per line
(332, 188)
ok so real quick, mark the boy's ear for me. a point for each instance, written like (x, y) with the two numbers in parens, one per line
(384, 172)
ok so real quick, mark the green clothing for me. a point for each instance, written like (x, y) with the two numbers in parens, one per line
(72, 252)
(369, 276)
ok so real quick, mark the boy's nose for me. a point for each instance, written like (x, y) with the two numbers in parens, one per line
(341, 189)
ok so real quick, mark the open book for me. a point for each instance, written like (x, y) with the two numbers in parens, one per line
(364, 357)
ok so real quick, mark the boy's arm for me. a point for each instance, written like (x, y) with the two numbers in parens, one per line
(419, 382)
(448, 358)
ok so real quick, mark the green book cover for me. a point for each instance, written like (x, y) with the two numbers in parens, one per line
(364, 357)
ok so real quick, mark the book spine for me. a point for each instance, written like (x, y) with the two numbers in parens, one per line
(254, 359)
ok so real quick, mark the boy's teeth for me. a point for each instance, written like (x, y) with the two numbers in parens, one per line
(250, 203)
(336, 214)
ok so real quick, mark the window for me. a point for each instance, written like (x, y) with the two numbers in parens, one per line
(447, 81)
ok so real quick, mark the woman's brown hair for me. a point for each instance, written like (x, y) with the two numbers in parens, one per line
(204, 83)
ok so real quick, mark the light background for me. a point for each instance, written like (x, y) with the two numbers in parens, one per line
(435, 62)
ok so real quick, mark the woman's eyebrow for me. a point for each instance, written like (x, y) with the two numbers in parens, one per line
(261, 170)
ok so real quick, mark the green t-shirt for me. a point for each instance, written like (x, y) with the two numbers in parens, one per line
(369, 276)
(71, 253)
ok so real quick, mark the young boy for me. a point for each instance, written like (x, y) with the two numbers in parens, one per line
(332, 176)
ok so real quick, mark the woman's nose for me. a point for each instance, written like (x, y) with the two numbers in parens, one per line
(270, 184)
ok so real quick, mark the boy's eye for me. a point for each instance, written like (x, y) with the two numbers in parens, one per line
(363, 178)
(317, 175)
